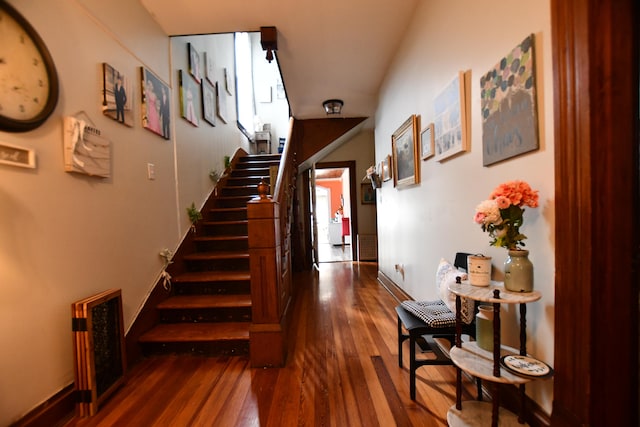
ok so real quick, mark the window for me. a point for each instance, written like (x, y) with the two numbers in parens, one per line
(244, 88)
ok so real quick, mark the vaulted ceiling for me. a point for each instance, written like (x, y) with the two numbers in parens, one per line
(326, 49)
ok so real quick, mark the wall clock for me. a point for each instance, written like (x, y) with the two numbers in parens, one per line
(28, 78)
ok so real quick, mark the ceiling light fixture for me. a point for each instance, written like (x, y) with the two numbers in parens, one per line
(269, 40)
(333, 106)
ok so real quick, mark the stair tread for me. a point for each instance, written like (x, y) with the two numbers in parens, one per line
(197, 332)
(212, 276)
(205, 301)
(217, 255)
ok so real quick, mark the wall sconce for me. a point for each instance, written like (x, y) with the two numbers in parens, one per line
(269, 40)
(333, 106)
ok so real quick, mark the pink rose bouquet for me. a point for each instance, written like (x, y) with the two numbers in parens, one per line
(501, 214)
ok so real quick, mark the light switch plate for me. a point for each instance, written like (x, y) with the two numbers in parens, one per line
(151, 171)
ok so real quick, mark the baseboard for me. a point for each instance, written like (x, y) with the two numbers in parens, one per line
(398, 293)
(56, 411)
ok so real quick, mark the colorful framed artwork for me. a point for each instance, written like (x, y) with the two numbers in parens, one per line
(451, 129)
(188, 94)
(13, 155)
(367, 194)
(210, 68)
(208, 102)
(509, 107)
(156, 104)
(116, 95)
(427, 142)
(194, 63)
(404, 149)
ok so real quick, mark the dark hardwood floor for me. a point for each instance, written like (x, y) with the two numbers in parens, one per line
(342, 370)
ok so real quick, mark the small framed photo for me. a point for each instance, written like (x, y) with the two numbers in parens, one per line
(194, 63)
(427, 142)
(208, 102)
(386, 168)
(210, 68)
(13, 155)
(156, 104)
(404, 149)
(188, 94)
(367, 194)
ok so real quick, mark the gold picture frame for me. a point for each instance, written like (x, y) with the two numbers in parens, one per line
(404, 150)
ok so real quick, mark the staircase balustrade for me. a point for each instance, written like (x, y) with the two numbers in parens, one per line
(269, 229)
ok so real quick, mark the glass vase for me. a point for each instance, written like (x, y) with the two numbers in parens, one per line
(518, 271)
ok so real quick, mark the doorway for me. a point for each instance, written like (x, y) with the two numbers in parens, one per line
(335, 210)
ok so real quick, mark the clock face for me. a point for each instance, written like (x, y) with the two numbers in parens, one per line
(28, 85)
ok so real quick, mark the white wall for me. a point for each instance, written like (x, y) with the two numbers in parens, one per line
(266, 77)
(361, 149)
(419, 225)
(68, 236)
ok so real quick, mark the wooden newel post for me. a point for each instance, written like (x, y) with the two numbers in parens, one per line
(267, 340)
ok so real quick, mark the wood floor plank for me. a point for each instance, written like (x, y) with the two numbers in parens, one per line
(342, 370)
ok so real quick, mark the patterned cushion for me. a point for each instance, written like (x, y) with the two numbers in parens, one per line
(434, 313)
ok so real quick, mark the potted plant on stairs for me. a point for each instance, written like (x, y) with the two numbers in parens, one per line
(194, 216)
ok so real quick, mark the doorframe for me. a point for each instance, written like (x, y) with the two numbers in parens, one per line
(353, 198)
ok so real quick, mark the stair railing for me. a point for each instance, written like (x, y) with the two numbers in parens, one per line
(270, 219)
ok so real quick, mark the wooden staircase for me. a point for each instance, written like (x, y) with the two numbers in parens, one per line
(209, 311)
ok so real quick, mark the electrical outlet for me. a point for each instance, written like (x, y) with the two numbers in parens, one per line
(151, 171)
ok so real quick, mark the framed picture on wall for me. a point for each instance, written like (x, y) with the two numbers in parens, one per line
(156, 104)
(117, 96)
(367, 194)
(194, 63)
(17, 156)
(386, 168)
(188, 94)
(509, 107)
(208, 102)
(427, 142)
(451, 129)
(404, 150)
(210, 68)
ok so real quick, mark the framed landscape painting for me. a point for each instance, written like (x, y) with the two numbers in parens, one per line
(451, 132)
(404, 149)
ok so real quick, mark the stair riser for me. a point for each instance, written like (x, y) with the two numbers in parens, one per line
(218, 264)
(261, 172)
(251, 190)
(215, 348)
(212, 315)
(226, 245)
(248, 180)
(219, 288)
(222, 202)
(227, 216)
(241, 229)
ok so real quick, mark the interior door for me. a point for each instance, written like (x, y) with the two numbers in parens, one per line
(314, 217)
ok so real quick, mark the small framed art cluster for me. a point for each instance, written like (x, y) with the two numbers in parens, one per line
(194, 84)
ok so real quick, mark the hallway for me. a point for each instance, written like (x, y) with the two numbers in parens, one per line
(342, 370)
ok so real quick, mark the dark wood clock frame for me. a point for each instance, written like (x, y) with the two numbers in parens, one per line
(13, 125)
